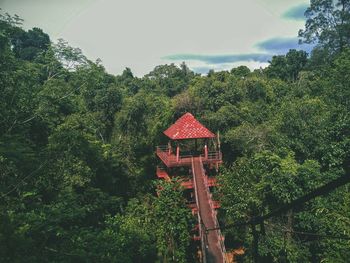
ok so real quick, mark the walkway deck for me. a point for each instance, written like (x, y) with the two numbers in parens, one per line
(214, 253)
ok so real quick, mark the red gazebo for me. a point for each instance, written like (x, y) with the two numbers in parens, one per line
(187, 127)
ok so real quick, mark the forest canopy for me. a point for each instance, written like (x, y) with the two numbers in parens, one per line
(77, 162)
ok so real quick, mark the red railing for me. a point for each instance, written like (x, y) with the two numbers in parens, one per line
(212, 156)
(187, 184)
(164, 154)
(170, 159)
(162, 174)
(210, 181)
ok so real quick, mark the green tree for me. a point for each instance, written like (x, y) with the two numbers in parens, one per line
(170, 79)
(257, 185)
(328, 24)
(287, 67)
(174, 222)
(241, 71)
(28, 45)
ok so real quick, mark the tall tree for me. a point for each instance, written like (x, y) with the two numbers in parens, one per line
(287, 67)
(174, 221)
(328, 24)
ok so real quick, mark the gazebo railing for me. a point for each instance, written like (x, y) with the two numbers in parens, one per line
(212, 155)
(171, 156)
(167, 156)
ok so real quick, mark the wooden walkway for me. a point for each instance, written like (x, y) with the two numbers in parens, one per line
(214, 253)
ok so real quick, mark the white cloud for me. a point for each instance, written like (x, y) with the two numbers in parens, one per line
(138, 33)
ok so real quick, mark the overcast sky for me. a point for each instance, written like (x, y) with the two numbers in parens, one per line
(142, 34)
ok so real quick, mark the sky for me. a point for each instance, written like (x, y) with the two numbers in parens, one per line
(141, 34)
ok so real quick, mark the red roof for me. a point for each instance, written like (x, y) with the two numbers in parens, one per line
(187, 127)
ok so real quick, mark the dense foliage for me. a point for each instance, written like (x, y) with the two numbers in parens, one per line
(77, 159)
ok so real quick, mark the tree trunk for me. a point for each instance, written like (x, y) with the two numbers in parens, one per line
(255, 244)
(289, 225)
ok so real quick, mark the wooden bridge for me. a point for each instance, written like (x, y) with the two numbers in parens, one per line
(213, 248)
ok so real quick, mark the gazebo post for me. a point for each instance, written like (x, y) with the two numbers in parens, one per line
(177, 152)
(169, 148)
